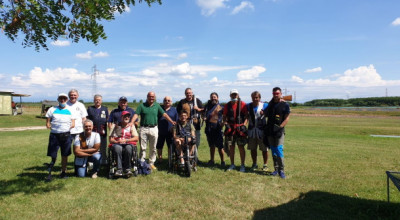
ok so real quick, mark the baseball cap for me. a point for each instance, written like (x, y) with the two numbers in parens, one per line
(233, 91)
(123, 98)
(62, 95)
(125, 113)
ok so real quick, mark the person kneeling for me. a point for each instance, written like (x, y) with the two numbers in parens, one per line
(123, 139)
(183, 130)
(86, 149)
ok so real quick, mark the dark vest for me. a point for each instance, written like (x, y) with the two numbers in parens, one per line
(231, 115)
(275, 114)
(185, 131)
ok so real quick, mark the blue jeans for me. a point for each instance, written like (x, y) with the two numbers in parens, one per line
(81, 163)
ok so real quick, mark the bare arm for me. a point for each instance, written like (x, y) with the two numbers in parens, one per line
(165, 115)
(72, 123)
(48, 124)
(80, 153)
(283, 124)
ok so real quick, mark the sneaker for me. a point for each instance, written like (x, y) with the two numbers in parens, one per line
(63, 175)
(153, 167)
(242, 169)
(210, 163)
(254, 167)
(231, 167)
(265, 168)
(94, 175)
(118, 173)
(129, 173)
(282, 174)
(274, 173)
(223, 164)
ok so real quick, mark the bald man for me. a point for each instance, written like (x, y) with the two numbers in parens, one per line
(165, 127)
(149, 113)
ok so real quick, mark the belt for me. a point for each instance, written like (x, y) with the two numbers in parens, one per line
(148, 126)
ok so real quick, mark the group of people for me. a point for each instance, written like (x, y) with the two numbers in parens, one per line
(256, 124)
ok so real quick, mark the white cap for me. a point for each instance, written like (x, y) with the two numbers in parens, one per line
(62, 95)
(233, 91)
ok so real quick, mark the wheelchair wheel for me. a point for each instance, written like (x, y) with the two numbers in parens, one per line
(135, 161)
(195, 159)
(172, 159)
(188, 165)
(110, 160)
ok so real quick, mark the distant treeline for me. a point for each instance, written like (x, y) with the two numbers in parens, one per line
(356, 102)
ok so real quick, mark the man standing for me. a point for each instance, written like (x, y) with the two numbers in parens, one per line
(257, 123)
(213, 117)
(193, 106)
(60, 120)
(278, 116)
(235, 119)
(80, 111)
(99, 115)
(86, 149)
(164, 127)
(115, 115)
(149, 113)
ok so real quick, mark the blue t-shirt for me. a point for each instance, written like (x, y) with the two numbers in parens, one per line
(115, 115)
(164, 126)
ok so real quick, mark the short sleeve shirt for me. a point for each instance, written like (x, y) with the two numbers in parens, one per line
(149, 114)
(60, 119)
(115, 115)
(90, 141)
(80, 112)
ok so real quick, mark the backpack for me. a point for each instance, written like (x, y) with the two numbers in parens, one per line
(144, 168)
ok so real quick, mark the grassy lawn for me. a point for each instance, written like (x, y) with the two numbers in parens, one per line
(334, 170)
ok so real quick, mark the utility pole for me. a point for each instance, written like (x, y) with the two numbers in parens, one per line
(94, 77)
(386, 93)
(294, 98)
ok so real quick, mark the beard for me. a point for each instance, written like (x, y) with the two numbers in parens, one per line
(214, 102)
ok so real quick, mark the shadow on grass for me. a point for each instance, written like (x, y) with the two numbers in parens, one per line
(323, 205)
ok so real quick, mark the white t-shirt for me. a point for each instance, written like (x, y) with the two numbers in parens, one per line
(80, 112)
(60, 119)
(90, 142)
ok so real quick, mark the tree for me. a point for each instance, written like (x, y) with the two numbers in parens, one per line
(40, 20)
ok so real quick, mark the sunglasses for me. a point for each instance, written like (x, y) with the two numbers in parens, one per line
(276, 93)
(166, 100)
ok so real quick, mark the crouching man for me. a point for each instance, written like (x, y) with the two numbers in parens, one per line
(86, 149)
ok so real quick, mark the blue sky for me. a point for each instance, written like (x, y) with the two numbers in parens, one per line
(313, 48)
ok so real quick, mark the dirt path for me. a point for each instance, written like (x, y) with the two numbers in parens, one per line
(23, 128)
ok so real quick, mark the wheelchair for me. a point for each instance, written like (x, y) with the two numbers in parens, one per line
(190, 161)
(112, 161)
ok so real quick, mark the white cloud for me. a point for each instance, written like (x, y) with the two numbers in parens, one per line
(216, 58)
(214, 80)
(101, 54)
(396, 22)
(363, 76)
(2, 76)
(61, 43)
(208, 7)
(243, 5)
(182, 56)
(89, 55)
(183, 68)
(250, 74)
(110, 70)
(149, 73)
(49, 78)
(313, 70)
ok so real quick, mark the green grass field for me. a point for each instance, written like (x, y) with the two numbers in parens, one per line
(335, 170)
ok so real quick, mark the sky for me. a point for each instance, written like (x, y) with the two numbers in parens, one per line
(312, 49)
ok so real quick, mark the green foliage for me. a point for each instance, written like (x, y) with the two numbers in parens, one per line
(39, 21)
(372, 101)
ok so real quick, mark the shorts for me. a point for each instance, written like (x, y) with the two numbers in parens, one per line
(275, 142)
(56, 141)
(232, 140)
(254, 142)
(164, 138)
(215, 139)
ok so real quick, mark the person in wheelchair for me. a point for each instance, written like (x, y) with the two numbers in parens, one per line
(184, 131)
(86, 149)
(123, 139)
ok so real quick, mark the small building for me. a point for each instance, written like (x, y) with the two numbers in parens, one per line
(7, 104)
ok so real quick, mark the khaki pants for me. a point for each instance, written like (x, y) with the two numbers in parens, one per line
(148, 136)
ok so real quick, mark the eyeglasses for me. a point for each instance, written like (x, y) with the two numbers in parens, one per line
(166, 100)
(276, 93)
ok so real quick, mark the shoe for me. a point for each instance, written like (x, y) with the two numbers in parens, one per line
(128, 173)
(94, 175)
(195, 168)
(63, 175)
(282, 174)
(242, 169)
(231, 167)
(265, 168)
(153, 167)
(274, 173)
(210, 163)
(118, 173)
(223, 164)
(254, 167)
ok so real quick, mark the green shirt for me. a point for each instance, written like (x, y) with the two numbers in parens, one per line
(149, 114)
